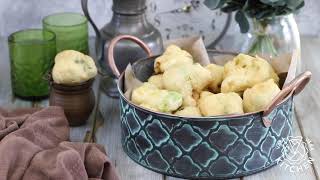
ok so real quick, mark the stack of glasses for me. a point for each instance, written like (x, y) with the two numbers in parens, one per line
(32, 51)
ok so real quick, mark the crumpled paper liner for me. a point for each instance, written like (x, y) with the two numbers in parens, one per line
(285, 65)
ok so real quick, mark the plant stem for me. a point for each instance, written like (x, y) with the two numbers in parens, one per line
(263, 42)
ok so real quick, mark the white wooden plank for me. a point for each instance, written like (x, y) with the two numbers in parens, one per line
(109, 135)
(308, 102)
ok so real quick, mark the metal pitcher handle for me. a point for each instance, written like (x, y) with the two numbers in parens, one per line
(291, 89)
(99, 43)
(223, 32)
(113, 43)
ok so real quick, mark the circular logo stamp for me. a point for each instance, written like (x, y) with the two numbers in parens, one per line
(295, 153)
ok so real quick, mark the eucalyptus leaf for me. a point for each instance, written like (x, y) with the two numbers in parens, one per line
(229, 8)
(280, 3)
(301, 5)
(293, 4)
(264, 14)
(242, 21)
(214, 4)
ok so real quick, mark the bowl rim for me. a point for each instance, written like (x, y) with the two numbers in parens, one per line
(190, 118)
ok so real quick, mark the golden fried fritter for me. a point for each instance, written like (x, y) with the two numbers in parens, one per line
(259, 96)
(73, 67)
(173, 56)
(217, 77)
(191, 111)
(187, 79)
(220, 104)
(156, 80)
(150, 97)
(245, 71)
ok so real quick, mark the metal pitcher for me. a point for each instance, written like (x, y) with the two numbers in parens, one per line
(129, 17)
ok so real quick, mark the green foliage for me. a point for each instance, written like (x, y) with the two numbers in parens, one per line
(214, 4)
(242, 21)
(261, 10)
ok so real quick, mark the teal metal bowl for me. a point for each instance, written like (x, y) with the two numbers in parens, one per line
(215, 147)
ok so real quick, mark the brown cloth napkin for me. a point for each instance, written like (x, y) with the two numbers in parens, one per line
(33, 146)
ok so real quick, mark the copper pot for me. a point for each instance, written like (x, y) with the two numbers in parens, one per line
(77, 100)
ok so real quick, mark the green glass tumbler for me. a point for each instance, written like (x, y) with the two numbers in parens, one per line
(32, 53)
(71, 31)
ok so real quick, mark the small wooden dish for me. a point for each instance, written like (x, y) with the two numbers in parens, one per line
(77, 100)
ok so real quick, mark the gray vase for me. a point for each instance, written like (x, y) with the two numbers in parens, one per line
(129, 17)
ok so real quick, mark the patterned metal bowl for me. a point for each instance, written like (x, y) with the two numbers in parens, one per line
(206, 147)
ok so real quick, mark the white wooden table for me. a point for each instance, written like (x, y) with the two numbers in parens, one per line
(103, 126)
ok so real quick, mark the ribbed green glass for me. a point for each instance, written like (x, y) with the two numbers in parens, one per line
(71, 31)
(32, 54)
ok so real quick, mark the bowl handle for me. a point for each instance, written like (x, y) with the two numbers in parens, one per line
(292, 88)
(113, 43)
